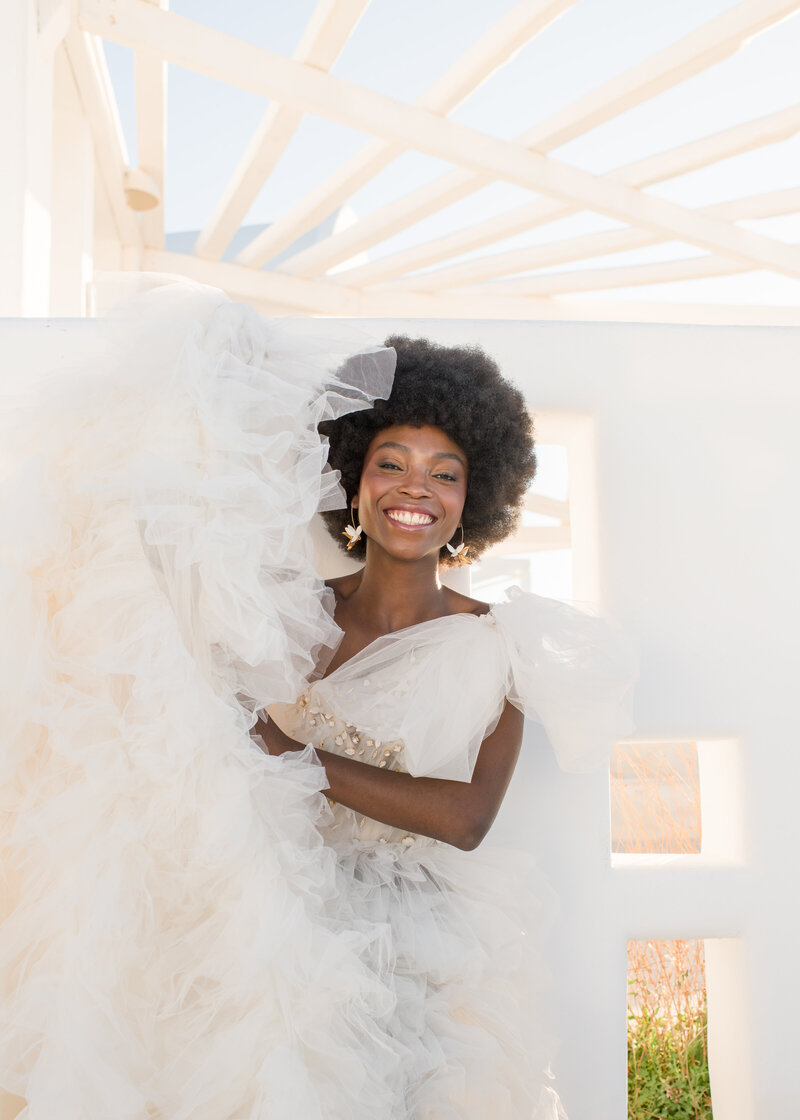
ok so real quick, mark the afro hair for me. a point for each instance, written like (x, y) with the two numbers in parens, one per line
(460, 390)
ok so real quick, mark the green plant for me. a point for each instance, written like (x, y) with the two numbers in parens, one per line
(655, 807)
(668, 1067)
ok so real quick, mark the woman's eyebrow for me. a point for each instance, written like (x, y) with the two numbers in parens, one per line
(436, 455)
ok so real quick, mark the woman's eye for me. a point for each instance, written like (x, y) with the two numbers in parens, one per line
(447, 477)
(394, 465)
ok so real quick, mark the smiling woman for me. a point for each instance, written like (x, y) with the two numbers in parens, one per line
(485, 431)
(413, 479)
(185, 687)
(417, 721)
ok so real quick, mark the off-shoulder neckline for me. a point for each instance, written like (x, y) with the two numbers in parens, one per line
(428, 622)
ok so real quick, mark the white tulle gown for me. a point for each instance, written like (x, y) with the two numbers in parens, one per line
(190, 930)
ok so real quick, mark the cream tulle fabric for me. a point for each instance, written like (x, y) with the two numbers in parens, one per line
(190, 931)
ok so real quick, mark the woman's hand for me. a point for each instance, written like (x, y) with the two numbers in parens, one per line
(276, 741)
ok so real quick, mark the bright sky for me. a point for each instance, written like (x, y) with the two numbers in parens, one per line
(399, 49)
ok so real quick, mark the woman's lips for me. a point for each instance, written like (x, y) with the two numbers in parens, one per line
(408, 520)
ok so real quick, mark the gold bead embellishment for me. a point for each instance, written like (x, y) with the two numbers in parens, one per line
(350, 750)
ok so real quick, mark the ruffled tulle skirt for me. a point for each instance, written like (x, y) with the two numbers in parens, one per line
(180, 938)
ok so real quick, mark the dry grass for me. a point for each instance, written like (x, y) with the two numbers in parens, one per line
(655, 798)
(655, 808)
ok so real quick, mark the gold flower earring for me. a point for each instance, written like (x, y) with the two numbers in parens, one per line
(459, 554)
(350, 531)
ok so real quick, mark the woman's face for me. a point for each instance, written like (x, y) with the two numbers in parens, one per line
(412, 490)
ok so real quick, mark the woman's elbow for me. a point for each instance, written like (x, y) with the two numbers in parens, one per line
(469, 833)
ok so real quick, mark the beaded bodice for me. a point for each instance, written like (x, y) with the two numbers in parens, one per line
(311, 723)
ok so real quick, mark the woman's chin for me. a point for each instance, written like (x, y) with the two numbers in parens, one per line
(409, 551)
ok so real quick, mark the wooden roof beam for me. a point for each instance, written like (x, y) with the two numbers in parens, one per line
(326, 34)
(150, 76)
(254, 68)
(605, 279)
(86, 58)
(770, 204)
(769, 129)
(487, 54)
(696, 52)
(274, 294)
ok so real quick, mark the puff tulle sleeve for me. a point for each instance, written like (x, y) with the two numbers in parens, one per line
(571, 671)
(440, 686)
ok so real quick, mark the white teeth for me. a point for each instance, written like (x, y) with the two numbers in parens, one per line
(410, 518)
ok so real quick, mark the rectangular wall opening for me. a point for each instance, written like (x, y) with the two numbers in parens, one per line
(538, 556)
(668, 1073)
(655, 799)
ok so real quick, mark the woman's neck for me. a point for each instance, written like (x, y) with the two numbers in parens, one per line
(393, 594)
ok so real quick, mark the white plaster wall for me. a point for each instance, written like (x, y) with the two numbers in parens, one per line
(694, 549)
(685, 530)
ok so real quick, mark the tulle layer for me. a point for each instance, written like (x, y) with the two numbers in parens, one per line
(465, 933)
(175, 939)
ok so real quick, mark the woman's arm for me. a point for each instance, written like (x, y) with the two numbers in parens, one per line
(460, 813)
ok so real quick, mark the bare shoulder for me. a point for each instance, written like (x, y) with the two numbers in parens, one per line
(463, 604)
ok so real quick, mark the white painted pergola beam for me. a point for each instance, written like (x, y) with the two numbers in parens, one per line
(605, 279)
(703, 48)
(549, 507)
(541, 539)
(326, 34)
(150, 77)
(689, 157)
(768, 205)
(243, 64)
(275, 294)
(478, 62)
(94, 87)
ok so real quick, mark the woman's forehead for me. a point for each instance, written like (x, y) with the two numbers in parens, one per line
(426, 439)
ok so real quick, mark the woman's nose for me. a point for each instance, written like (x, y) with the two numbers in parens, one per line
(416, 483)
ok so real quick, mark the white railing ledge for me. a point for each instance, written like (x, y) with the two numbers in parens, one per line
(683, 896)
(695, 861)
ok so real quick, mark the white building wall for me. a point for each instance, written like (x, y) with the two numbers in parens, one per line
(686, 532)
(685, 473)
